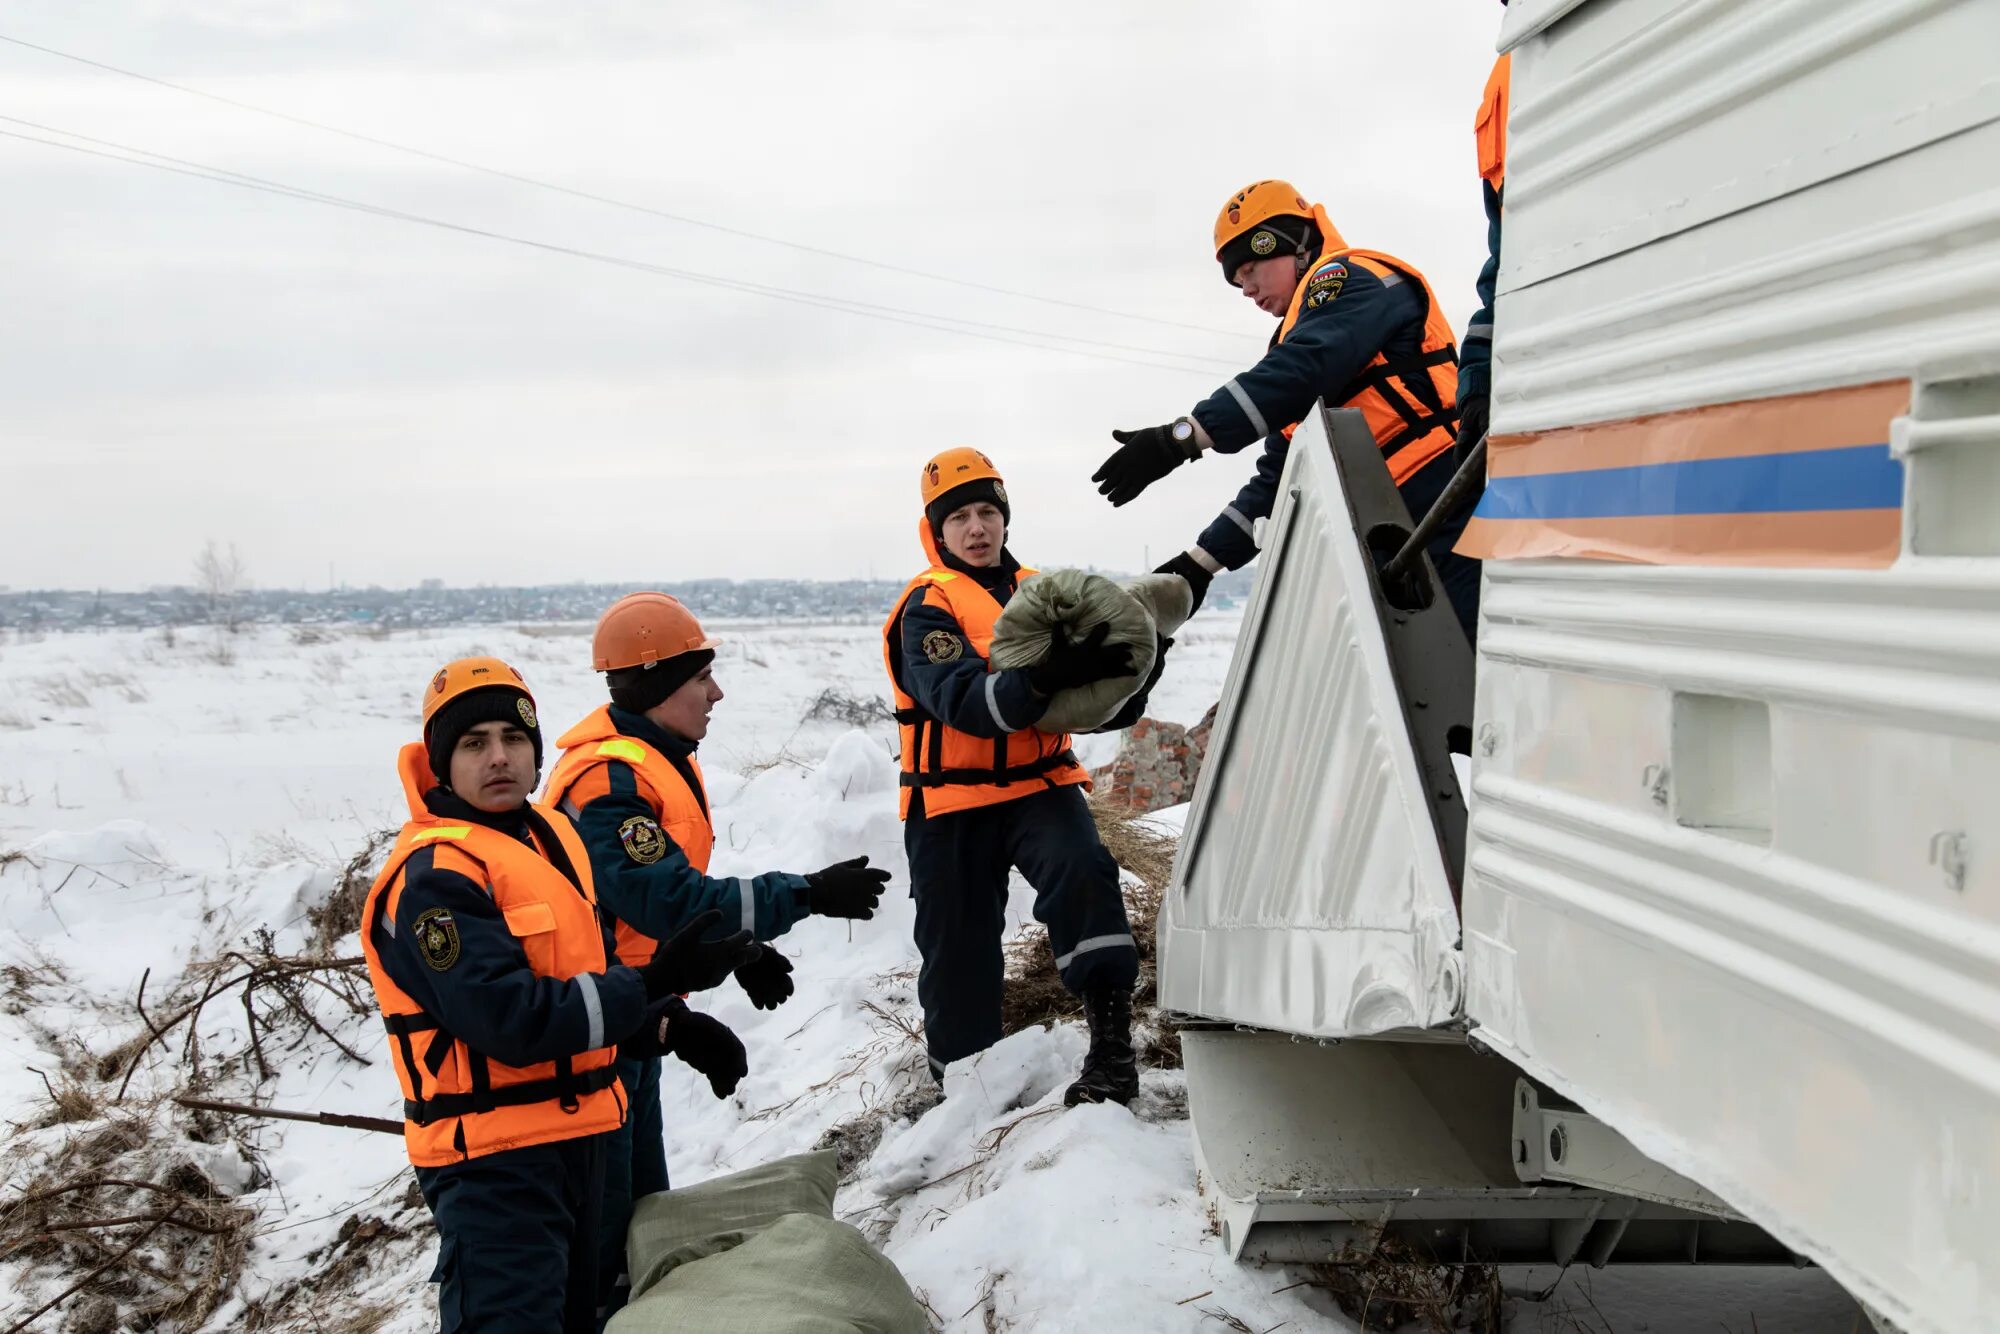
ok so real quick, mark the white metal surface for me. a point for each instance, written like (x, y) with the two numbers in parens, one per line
(1309, 895)
(1734, 880)
(1723, 200)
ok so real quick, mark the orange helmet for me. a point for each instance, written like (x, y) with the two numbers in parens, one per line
(641, 629)
(953, 469)
(469, 674)
(1258, 221)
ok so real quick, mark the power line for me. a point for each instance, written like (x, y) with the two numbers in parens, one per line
(540, 184)
(140, 157)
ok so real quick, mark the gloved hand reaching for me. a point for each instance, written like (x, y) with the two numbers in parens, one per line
(702, 1041)
(1070, 665)
(1190, 569)
(766, 979)
(688, 963)
(846, 889)
(1144, 457)
(1471, 426)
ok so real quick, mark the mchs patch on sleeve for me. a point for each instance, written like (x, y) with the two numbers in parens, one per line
(943, 646)
(1323, 284)
(642, 839)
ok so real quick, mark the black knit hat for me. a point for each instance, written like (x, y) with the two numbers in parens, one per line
(637, 689)
(487, 704)
(1286, 234)
(988, 489)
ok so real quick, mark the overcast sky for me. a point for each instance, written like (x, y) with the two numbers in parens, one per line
(332, 390)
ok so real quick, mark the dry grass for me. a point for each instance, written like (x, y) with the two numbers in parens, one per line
(340, 915)
(59, 692)
(154, 1241)
(1394, 1285)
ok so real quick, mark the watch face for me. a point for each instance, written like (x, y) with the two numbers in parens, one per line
(1183, 430)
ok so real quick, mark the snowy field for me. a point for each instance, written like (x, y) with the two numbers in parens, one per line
(163, 801)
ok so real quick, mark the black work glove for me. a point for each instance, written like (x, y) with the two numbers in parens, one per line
(643, 1043)
(1188, 568)
(846, 889)
(1070, 665)
(766, 979)
(688, 963)
(1471, 426)
(705, 1044)
(1133, 709)
(1144, 457)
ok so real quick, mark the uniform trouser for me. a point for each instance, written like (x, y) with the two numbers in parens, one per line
(1458, 574)
(635, 1164)
(517, 1234)
(958, 876)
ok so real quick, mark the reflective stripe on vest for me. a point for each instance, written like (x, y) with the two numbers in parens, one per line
(957, 770)
(682, 811)
(458, 1103)
(1411, 404)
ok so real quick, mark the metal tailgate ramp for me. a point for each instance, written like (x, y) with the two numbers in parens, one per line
(1315, 890)
(1310, 937)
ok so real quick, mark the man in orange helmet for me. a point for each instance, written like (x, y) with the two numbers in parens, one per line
(505, 1010)
(984, 789)
(629, 778)
(1357, 328)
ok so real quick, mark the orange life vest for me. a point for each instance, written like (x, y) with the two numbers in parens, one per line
(679, 800)
(1411, 404)
(1491, 127)
(957, 770)
(458, 1104)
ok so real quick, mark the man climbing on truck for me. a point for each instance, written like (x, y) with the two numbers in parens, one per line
(1357, 328)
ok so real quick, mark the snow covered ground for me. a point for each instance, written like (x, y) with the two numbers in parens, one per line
(163, 799)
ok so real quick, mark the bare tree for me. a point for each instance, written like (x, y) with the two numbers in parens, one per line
(221, 576)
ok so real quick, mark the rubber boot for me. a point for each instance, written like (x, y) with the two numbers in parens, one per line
(1110, 1071)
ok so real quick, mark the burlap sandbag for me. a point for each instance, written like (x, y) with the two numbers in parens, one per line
(1146, 610)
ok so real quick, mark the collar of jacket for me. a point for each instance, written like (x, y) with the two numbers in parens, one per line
(448, 805)
(989, 577)
(641, 728)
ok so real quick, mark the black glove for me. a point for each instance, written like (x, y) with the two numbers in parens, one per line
(1471, 426)
(688, 963)
(643, 1043)
(766, 979)
(1070, 665)
(1144, 457)
(846, 889)
(1188, 568)
(705, 1044)
(1133, 709)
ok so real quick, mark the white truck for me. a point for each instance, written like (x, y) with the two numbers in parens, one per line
(1698, 959)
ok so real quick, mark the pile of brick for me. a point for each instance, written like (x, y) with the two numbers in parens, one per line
(1156, 766)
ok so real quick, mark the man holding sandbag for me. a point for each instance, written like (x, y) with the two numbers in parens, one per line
(984, 790)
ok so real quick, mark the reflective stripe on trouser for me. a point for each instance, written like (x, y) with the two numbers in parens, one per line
(958, 876)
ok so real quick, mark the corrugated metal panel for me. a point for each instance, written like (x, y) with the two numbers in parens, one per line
(1689, 219)
(1735, 871)
(1309, 895)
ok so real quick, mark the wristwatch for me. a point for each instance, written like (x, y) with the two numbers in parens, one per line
(1183, 433)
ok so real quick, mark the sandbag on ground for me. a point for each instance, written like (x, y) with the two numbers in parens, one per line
(759, 1250)
(1148, 609)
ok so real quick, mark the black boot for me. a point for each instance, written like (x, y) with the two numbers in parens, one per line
(1110, 1071)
